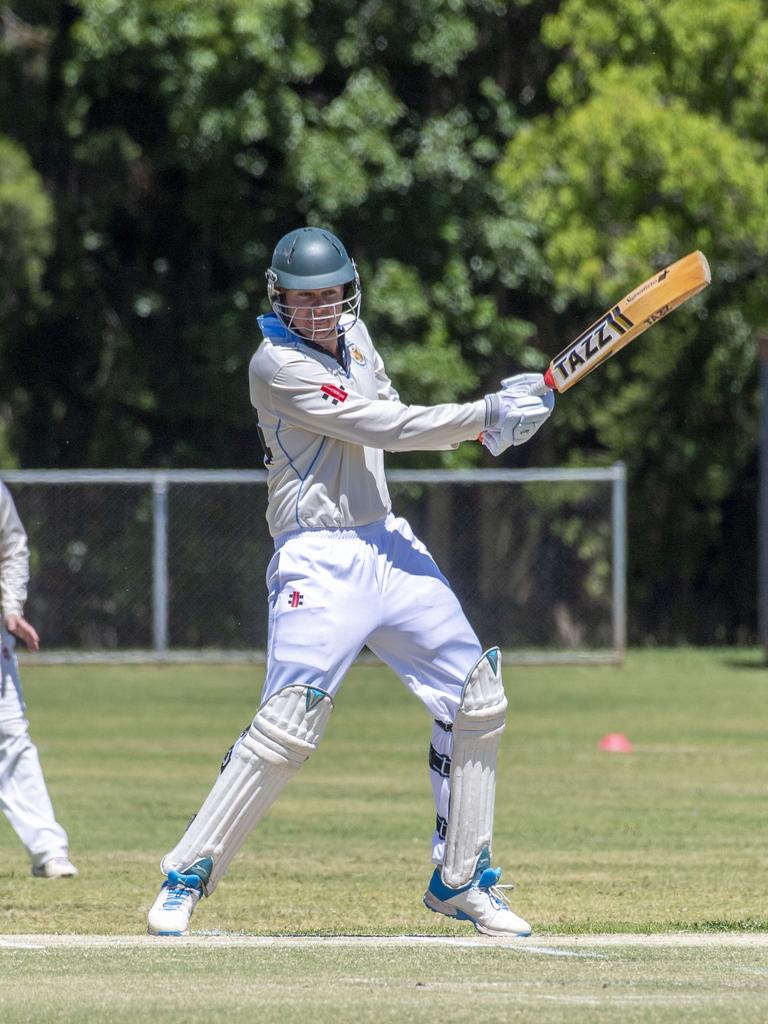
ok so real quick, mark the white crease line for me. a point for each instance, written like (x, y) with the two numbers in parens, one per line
(551, 945)
(547, 951)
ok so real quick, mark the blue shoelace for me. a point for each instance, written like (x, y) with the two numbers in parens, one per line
(179, 890)
(175, 896)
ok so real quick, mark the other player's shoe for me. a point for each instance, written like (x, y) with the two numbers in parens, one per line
(480, 901)
(172, 910)
(56, 867)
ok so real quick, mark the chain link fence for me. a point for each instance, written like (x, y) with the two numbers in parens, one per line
(167, 565)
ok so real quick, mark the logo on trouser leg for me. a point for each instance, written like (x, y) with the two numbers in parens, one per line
(295, 599)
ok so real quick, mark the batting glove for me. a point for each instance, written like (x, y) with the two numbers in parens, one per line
(515, 413)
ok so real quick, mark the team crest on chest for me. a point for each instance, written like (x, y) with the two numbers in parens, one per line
(357, 355)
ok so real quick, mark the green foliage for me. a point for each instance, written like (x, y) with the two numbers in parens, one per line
(654, 148)
(714, 63)
(26, 240)
(180, 140)
(348, 152)
(627, 181)
(26, 222)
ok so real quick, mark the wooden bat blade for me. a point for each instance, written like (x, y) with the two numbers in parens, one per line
(636, 312)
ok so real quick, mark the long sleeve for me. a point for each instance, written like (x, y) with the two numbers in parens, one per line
(325, 428)
(300, 393)
(14, 557)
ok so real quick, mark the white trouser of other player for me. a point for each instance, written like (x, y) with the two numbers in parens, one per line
(331, 592)
(24, 796)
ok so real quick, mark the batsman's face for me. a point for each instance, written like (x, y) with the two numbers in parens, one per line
(315, 314)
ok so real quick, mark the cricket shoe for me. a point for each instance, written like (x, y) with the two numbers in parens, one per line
(480, 901)
(172, 910)
(56, 867)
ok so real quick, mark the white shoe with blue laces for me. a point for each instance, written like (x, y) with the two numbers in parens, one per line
(171, 912)
(480, 901)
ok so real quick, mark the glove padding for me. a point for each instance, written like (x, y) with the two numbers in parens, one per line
(524, 403)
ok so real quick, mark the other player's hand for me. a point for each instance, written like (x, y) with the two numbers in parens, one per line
(19, 626)
(521, 407)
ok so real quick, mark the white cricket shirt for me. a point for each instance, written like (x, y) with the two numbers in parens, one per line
(325, 427)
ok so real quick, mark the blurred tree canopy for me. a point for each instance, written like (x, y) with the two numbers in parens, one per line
(500, 170)
(655, 146)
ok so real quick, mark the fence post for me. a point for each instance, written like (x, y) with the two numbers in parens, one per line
(160, 564)
(619, 519)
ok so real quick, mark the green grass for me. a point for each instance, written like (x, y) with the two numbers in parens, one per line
(669, 838)
(370, 985)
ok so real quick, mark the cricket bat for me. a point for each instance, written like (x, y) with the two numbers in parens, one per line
(635, 313)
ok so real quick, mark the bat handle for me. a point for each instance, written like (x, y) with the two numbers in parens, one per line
(548, 385)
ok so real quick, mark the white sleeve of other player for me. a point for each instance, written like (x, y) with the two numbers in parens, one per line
(14, 557)
(298, 395)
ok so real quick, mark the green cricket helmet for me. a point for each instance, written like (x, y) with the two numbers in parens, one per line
(308, 259)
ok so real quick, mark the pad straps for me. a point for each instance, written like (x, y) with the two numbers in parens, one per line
(286, 730)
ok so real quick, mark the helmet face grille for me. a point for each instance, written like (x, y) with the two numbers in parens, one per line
(318, 322)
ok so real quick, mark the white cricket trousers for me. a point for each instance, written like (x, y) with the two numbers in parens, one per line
(24, 796)
(332, 592)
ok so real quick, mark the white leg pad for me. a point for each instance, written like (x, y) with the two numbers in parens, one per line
(286, 730)
(477, 730)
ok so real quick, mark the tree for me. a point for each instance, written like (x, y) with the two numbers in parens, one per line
(655, 148)
(26, 221)
(179, 140)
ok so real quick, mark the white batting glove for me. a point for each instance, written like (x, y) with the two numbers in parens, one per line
(517, 411)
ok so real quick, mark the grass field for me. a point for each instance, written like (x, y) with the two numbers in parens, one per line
(644, 874)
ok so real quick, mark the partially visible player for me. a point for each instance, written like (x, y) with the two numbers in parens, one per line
(346, 573)
(24, 797)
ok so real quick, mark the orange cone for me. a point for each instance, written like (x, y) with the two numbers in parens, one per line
(615, 743)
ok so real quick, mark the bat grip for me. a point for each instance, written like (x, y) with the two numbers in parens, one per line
(548, 385)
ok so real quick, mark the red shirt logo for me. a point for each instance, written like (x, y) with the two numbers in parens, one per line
(334, 393)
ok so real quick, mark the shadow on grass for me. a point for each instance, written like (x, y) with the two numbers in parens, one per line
(749, 661)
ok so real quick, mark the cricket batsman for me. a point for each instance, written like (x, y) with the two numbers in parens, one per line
(347, 572)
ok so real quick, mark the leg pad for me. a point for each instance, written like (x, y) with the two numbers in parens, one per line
(286, 730)
(477, 731)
